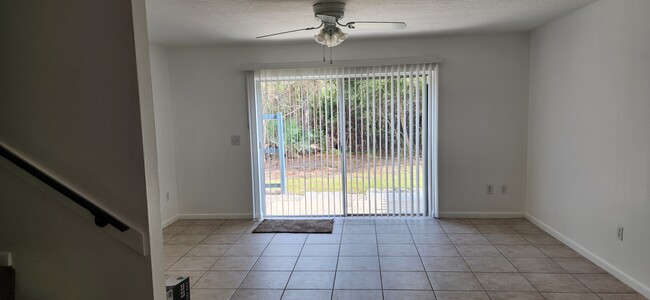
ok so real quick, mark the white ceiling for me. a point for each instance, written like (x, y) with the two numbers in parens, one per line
(210, 22)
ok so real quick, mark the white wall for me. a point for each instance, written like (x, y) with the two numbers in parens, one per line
(57, 254)
(70, 103)
(483, 118)
(164, 140)
(589, 134)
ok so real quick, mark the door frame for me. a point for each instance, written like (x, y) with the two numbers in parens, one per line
(254, 125)
(254, 110)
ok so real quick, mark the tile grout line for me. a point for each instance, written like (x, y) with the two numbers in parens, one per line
(199, 242)
(519, 272)
(294, 264)
(381, 277)
(421, 261)
(206, 271)
(215, 262)
(376, 233)
(567, 272)
(465, 261)
(194, 246)
(251, 269)
(336, 268)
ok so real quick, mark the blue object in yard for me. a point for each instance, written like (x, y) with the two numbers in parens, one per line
(280, 151)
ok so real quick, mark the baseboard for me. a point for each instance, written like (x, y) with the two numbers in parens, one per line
(170, 221)
(622, 276)
(216, 216)
(205, 216)
(481, 214)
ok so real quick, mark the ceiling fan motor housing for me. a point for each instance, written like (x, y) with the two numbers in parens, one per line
(329, 12)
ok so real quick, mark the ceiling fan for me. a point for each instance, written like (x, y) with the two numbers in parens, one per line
(330, 14)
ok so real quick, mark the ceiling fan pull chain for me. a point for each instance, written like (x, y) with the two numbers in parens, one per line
(330, 55)
(323, 53)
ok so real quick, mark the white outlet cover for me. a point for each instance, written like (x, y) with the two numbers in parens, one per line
(5, 259)
(235, 140)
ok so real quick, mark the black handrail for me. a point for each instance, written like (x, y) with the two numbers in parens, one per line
(102, 218)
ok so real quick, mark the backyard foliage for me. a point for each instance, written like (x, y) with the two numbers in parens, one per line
(379, 116)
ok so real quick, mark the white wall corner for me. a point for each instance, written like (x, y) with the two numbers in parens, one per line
(170, 221)
(154, 237)
(622, 276)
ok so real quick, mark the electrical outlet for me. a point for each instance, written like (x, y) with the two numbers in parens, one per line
(504, 188)
(489, 189)
(235, 140)
(619, 233)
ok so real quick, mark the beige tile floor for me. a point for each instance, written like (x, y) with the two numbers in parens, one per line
(384, 258)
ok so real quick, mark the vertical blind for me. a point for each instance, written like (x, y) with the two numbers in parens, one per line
(344, 141)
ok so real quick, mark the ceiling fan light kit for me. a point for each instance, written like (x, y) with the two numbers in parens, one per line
(330, 14)
(330, 37)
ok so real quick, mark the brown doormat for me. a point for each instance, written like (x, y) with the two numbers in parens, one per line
(295, 226)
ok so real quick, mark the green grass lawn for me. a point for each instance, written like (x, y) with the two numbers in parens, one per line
(357, 182)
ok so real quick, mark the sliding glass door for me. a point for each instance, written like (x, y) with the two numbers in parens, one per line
(344, 141)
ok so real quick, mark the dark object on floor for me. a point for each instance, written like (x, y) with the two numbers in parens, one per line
(295, 226)
(7, 283)
(178, 288)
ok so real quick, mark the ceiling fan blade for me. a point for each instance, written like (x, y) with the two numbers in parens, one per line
(376, 25)
(290, 31)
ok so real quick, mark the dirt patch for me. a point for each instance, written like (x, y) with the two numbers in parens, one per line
(316, 165)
